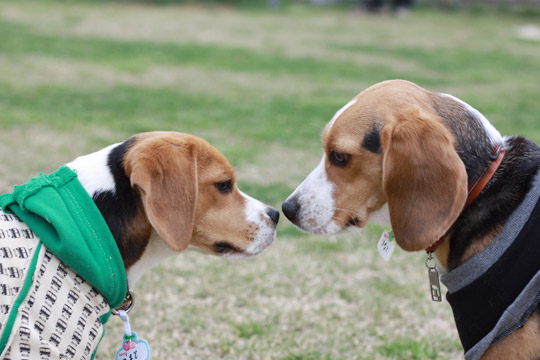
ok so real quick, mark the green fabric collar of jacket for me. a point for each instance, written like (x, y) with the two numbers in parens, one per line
(61, 213)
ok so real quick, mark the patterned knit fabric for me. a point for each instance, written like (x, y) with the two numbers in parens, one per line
(47, 311)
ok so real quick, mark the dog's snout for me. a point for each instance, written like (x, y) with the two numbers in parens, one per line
(274, 215)
(290, 209)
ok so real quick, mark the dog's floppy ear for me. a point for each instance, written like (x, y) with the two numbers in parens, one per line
(165, 174)
(424, 179)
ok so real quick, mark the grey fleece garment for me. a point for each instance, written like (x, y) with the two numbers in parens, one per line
(515, 316)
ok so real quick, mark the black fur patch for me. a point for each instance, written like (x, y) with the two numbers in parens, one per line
(472, 142)
(224, 247)
(372, 140)
(498, 200)
(506, 189)
(120, 208)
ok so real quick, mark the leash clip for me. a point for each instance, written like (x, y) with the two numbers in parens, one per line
(127, 305)
(433, 275)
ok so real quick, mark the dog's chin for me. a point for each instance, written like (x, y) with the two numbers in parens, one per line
(230, 251)
(236, 255)
(331, 227)
(240, 254)
(328, 228)
(262, 240)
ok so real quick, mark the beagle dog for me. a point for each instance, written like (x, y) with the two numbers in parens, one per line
(73, 242)
(439, 173)
(163, 192)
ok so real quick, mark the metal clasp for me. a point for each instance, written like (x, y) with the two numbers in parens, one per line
(127, 305)
(433, 275)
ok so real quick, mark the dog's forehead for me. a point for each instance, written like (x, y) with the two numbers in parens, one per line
(212, 163)
(369, 110)
(392, 96)
(391, 90)
(348, 127)
(208, 153)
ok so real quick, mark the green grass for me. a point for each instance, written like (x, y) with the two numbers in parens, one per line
(248, 330)
(408, 350)
(260, 86)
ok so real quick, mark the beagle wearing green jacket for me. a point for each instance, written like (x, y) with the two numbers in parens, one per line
(161, 192)
(73, 242)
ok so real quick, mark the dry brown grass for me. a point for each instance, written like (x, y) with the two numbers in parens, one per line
(34, 71)
(293, 300)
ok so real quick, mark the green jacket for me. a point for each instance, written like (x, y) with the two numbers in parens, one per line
(60, 212)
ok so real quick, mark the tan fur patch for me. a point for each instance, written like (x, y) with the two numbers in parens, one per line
(419, 171)
(522, 344)
(424, 176)
(176, 175)
(163, 170)
(479, 245)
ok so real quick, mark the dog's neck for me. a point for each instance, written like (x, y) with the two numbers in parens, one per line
(103, 176)
(478, 225)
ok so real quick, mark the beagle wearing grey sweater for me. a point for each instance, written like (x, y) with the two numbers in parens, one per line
(437, 171)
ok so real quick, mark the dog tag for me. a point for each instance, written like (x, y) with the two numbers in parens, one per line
(132, 348)
(433, 275)
(386, 245)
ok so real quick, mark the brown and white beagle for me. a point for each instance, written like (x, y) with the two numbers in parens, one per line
(441, 175)
(163, 192)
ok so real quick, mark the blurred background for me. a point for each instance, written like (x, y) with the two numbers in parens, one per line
(259, 79)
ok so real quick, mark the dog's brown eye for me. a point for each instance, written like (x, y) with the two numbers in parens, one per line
(224, 187)
(338, 159)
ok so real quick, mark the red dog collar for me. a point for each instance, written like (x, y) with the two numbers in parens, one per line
(476, 187)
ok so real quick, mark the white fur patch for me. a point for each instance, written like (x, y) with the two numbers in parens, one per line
(314, 194)
(317, 206)
(155, 252)
(493, 133)
(256, 213)
(381, 217)
(93, 171)
(341, 111)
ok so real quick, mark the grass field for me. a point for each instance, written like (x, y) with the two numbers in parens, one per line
(260, 86)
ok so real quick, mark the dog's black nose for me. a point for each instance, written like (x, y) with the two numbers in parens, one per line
(290, 209)
(274, 215)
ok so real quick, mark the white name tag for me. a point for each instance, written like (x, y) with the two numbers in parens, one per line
(386, 245)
